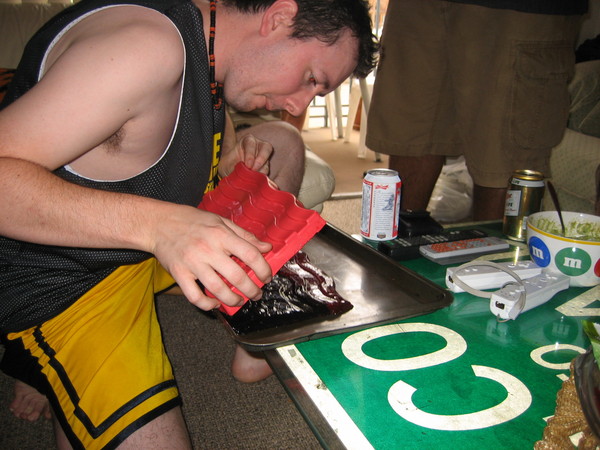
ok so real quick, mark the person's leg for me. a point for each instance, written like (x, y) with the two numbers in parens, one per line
(412, 116)
(419, 175)
(74, 358)
(249, 367)
(166, 431)
(62, 442)
(410, 85)
(488, 203)
(287, 162)
(29, 404)
(287, 171)
(513, 109)
(162, 432)
(245, 366)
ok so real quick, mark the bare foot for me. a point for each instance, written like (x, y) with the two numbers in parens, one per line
(29, 404)
(249, 367)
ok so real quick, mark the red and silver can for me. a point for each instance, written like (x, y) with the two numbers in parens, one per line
(380, 204)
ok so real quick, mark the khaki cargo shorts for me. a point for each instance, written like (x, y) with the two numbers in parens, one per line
(490, 84)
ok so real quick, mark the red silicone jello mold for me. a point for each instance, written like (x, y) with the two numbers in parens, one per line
(250, 201)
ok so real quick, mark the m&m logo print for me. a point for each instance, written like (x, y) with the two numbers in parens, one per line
(571, 261)
(539, 252)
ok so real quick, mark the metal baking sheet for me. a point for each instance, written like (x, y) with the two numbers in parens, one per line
(380, 289)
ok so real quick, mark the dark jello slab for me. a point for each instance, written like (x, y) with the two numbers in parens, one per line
(299, 291)
(248, 199)
(380, 290)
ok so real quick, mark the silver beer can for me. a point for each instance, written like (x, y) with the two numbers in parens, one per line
(381, 190)
(523, 198)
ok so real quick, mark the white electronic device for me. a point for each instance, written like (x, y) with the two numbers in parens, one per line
(481, 276)
(514, 298)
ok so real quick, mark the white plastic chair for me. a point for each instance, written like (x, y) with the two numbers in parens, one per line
(333, 104)
(361, 90)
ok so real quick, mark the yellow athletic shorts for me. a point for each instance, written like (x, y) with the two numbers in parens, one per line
(102, 361)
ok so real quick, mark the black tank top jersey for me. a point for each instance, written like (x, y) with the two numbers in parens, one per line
(37, 282)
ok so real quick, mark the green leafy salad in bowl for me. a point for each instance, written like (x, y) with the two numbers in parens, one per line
(574, 229)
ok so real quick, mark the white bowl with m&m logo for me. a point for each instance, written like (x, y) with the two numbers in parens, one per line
(576, 253)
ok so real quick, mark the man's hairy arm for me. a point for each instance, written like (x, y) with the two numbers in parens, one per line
(99, 82)
(190, 243)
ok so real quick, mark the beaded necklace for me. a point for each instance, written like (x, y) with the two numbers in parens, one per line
(216, 89)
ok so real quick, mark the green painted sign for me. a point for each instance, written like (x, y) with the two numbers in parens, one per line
(456, 378)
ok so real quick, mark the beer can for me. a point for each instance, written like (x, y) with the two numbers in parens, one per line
(523, 198)
(381, 191)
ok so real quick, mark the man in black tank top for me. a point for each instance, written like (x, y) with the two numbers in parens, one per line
(113, 128)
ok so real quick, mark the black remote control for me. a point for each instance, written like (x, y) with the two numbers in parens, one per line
(403, 248)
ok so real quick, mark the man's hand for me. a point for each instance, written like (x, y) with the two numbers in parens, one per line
(198, 245)
(253, 152)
